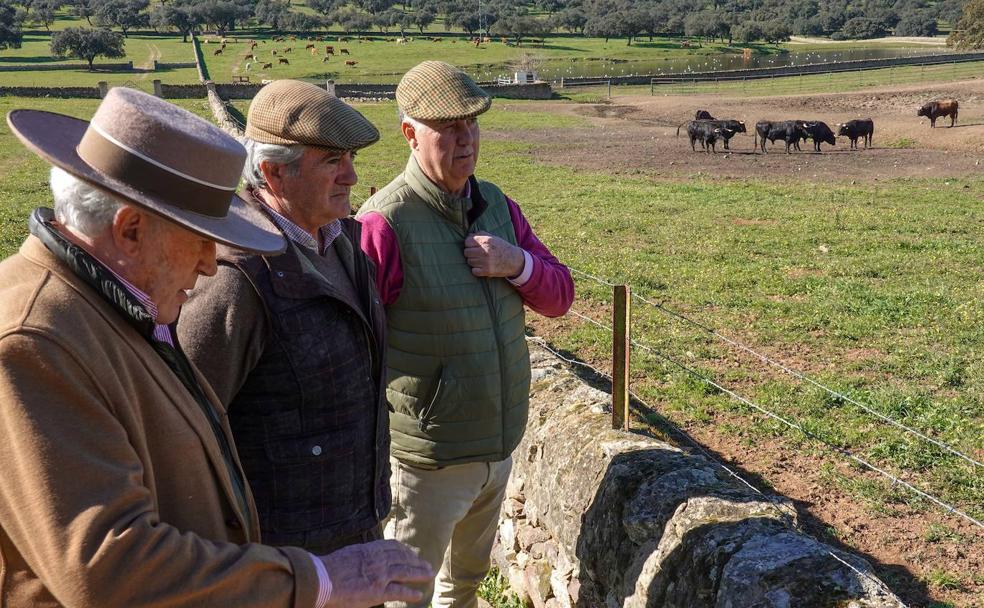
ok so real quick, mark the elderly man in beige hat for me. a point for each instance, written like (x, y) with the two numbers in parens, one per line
(294, 344)
(457, 263)
(119, 480)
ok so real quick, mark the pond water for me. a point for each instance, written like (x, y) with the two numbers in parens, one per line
(556, 69)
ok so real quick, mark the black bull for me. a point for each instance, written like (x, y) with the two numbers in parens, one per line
(697, 128)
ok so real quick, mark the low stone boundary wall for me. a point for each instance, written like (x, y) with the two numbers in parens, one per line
(61, 92)
(160, 65)
(50, 67)
(221, 113)
(199, 60)
(595, 518)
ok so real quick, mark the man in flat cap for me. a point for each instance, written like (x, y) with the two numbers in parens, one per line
(119, 480)
(294, 345)
(457, 262)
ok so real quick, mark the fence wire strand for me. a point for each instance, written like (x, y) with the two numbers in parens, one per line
(692, 442)
(791, 371)
(840, 450)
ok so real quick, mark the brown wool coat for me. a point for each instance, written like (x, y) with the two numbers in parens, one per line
(113, 491)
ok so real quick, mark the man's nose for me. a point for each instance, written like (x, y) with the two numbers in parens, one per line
(347, 175)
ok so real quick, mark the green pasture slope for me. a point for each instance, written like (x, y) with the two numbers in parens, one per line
(141, 48)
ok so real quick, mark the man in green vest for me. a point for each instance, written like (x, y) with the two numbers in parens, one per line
(457, 261)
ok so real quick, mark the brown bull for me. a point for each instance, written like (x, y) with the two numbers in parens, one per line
(940, 107)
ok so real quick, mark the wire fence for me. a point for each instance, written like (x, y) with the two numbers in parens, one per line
(677, 431)
(811, 83)
(786, 421)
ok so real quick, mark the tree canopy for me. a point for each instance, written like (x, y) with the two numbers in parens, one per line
(85, 43)
(969, 31)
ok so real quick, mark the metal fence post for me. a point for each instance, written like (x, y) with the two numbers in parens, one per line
(621, 337)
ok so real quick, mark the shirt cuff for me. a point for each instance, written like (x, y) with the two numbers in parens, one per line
(524, 276)
(324, 583)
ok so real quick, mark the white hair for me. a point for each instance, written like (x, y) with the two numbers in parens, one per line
(413, 122)
(258, 153)
(81, 206)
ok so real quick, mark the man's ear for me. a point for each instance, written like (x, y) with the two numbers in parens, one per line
(273, 175)
(410, 134)
(130, 229)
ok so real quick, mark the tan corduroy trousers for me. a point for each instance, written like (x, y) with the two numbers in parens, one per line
(449, 516)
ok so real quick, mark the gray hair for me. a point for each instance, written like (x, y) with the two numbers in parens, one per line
(404, 118)
(81, 206)
(258, 153)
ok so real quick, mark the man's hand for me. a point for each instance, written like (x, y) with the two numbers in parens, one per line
(490, 256)
(372, 573)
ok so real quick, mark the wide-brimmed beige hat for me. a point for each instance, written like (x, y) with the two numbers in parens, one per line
(156, 156)
(295, 112)
(435, 90)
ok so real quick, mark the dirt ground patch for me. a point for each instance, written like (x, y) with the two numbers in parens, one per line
(637, 136)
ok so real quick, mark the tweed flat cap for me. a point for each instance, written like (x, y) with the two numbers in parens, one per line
(293, 112)
(435, 90)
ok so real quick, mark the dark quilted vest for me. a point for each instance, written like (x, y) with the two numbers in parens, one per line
(310, 422)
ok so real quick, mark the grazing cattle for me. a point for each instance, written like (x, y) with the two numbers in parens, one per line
(267, 66)
(292, 37)
(819, 132)
(790, 131)
(309, 46)
(250, 57)
(288, 50)
(329, 50)
(728, 129)
(706, 133)
(217, 52)
(283, 61)
(324, 59)
(703, 115)
(314, 52)
(940, 107)
(351, 63)
(253, 45)
(344, 51)
(273, 52)
(248, 64)
(853, 129)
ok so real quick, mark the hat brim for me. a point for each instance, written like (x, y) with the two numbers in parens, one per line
(55, 137)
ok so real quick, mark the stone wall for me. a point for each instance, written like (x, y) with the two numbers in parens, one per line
(62, 92)
(199, 61)
(600, 518)
(537, 90)
(50, 67)
(159, 65)
(221, 112)
(183, 91)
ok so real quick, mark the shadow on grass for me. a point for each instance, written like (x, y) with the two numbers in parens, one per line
(902, 581)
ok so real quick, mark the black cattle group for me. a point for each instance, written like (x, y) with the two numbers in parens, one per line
(708, 131)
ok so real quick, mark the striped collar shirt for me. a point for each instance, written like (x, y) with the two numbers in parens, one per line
(327, 233)
(162, 333)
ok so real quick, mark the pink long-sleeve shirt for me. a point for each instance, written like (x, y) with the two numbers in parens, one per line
(547, 290)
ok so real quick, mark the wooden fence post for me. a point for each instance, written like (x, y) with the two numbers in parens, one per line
(621, 336)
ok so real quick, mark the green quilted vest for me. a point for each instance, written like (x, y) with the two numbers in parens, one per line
(458, 367)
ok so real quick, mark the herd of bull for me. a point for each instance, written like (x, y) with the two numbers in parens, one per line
(708, 131)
